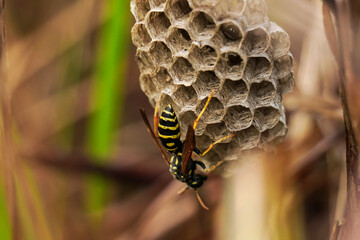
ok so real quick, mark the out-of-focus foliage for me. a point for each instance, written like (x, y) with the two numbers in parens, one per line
(108, 92)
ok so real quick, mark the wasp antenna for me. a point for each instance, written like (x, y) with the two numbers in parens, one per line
(181, 191)
(200, 200)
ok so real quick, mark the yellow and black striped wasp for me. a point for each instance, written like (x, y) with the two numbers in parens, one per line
(181, 164)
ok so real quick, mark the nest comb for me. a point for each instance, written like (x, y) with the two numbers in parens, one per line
(187, 48)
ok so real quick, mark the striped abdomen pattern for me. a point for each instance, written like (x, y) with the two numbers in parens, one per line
(175, 167)
(169, 130)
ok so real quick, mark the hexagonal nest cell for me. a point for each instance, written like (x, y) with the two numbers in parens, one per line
(144, 61)
(230, 150)
(238, 118)
(202, 142)
(257, 68)
(278, 131)
(247, 138)
(160, 53)
(230, 65)
(166, 99)
(187, 118)
(263, 91)
(217, 131)
(187, 48)
(266, 118)
(233, 92)
(202, 25)
(182, 72)
(140, 8)
(214, 111)
(283, 66)
(164, 82)
(185, 96)
(203, 58)
(212, 155)
(280, 41)
(178, 9)
(256, 41)
(179, 40)
(205, 83)
(140, 36)
(229, 34)
(147, 85)
(158, 24)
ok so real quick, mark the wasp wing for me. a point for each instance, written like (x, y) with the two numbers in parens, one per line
(146, 121)
(189, 145)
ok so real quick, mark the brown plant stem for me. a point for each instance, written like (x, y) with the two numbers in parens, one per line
(6, 140)
(352, 224)
(304, 163)
(351, 228)
(346, 24)
(77, 163)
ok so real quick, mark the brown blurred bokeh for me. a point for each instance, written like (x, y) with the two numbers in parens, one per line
(296, 191)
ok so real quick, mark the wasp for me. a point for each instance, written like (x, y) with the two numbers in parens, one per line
(181, 164)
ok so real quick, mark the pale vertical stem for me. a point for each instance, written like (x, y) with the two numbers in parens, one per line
(243, 213)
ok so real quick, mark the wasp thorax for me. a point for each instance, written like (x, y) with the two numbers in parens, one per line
(187, 48)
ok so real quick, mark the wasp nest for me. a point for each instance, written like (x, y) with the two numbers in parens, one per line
(187, 48)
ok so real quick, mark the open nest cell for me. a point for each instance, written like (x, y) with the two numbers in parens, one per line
(203, 58)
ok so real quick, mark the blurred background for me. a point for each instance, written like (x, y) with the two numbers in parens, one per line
(78, 163)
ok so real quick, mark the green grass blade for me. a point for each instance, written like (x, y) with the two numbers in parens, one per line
(5, 224)
(108, 91)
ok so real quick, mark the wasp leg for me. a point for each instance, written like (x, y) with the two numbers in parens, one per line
(181, 191)
(197, 151)
(203, 110)
(218, 141)
(200, 200)
(213, 167)
(201, 164)
(156, 119)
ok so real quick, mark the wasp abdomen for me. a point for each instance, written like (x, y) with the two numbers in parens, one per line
(169, 130)
(175, 167)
